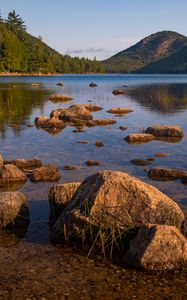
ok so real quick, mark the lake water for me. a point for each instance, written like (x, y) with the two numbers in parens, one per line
(32, 264)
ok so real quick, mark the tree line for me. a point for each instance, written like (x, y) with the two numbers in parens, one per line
(21, 52)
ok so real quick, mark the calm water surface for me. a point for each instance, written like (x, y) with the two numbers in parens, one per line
(32, 264)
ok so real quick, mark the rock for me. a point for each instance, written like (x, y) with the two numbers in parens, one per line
(1, 163)
(30, 125)
(92, 107)
(36, 84)
(45, 122)
(100, 122)
(140, 162)
(60, 84)
(14, 210)
(71, 168)
(40, 121)
(46, 173)
(165, 131)
(90, 163)
(184, 180)
(157, 247)
(92, 84)
(60, 98)
(118, 92)
(139, 138)
(119, 111)
(161, 154)
(76, 112)
(82, 142)
(11, 174)
(165, 174)
(122, 128)
(57, 112)
(114, 201)
(59, 195)
(99, 144)
(25, 163)
(151, 159)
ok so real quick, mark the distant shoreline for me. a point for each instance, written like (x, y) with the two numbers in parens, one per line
(14, 74)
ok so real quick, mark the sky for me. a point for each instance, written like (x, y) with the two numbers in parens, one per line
(98, 28)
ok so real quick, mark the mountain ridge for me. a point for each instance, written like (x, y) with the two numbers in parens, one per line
(149, 50)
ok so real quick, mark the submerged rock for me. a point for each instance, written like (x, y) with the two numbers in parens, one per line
(90, 163)
(100, 122)
(165, 174)
(119, 111)
(60, 98)
(114, 202)
(139, 138)
(157, 247)
(59, 196)
(46, 173)
(140, 162)
(165, 131)
(11, 174)
(14, 210)
(118, 92)
(122, 128)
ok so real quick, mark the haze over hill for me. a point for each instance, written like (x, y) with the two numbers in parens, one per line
(151, 55)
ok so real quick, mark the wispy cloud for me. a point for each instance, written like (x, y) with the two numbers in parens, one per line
(92, 50)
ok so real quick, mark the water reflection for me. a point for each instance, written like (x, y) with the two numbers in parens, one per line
(165, 98)
(16, 105)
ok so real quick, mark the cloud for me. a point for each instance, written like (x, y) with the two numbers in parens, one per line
(92, 50)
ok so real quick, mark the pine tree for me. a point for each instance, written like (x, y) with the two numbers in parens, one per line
(14, 21)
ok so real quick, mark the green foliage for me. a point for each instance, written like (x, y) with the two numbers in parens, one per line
(21, 52)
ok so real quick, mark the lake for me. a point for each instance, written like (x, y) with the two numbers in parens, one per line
(31, 264)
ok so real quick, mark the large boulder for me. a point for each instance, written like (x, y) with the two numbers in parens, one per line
(114, 201)
(157, 247)
(76, 112)
(14, 210)
(11, 174)
(45, 173)
(165, 174)
(165, 131)
(59, 196)
(139, 138)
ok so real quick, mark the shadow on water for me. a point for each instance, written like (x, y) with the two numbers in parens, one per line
(164, 99)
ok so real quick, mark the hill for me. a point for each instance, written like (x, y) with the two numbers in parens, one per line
(21, 52)
(148, 51)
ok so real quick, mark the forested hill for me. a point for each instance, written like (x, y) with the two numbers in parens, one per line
(21, 52)
(151, 55)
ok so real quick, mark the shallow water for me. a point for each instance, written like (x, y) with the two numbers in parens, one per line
(32, 264)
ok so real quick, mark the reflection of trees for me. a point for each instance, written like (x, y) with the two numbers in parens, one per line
(16, 105)
(166, 98)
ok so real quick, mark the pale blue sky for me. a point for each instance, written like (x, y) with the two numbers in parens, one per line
(97, 28)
